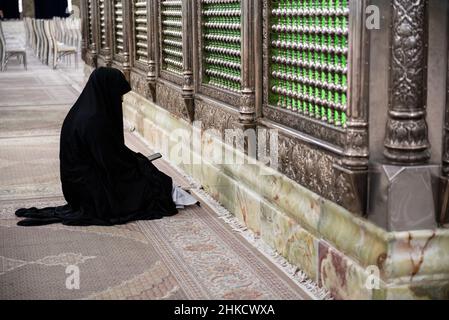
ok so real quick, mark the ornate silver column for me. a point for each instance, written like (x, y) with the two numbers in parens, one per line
(403, 188)
(107, 50)
(445, 164)
(352, 180)
(127, 44)
(84, 28)
(93, 49)
(443, 217)
(187, 46)
(406, 138)
(251, 13)
(152, 40)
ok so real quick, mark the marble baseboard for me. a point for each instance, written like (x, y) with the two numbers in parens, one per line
(325, 240)
(342, 276)
(425, 290)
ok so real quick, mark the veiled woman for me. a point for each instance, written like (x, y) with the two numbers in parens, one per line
(103, 181)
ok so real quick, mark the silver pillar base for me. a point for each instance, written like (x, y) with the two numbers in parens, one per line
(404, 198)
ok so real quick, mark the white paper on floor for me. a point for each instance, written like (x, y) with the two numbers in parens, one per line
(182, 198)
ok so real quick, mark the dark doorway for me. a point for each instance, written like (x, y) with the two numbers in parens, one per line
(10, 9)
(47, 9)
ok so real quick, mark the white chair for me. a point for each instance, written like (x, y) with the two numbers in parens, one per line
(59, 32)
(43, 43)
(30, 32)
(40, 42)
(2, 52)
(27, 32)
(73, 31)
(46, 44)
(8, 51)
(79, 36)
(33, 33)
(36, 36)
(59, 49)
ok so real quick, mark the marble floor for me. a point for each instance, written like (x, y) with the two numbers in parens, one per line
(193, 255)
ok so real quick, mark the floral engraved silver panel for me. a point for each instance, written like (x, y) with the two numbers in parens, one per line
(406, 138)
(171, 100)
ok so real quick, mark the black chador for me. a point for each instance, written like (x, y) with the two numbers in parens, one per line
(104, 182)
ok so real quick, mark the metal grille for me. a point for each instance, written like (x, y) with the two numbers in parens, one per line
(118, 27)
(222, 43)
(171, 17)
(140, 31)
(102, 24)
(309, 65)
(91, 22)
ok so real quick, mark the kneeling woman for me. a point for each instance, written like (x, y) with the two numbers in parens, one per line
(104, 182)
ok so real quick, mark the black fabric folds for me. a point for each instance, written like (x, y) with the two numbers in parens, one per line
(103, 181)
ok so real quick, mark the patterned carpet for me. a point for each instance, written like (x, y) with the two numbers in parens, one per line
(193, 255)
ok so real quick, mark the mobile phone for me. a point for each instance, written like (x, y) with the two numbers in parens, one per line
(154, 157)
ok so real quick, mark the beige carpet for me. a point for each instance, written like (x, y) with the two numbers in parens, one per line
(193, 255)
